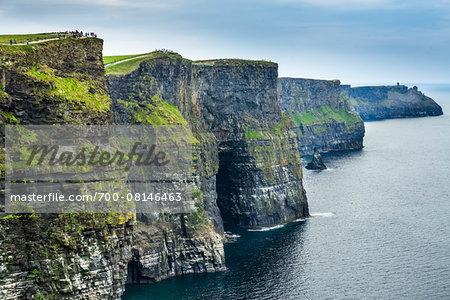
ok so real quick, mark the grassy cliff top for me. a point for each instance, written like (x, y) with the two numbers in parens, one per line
(336, 81)
(380, 87)
(115, 58)
(123, 68)
(125, 64)
(24, 55)
(22, 38)
(235, 62)
(7, 49)
(323, 114)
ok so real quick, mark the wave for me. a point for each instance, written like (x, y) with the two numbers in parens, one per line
(229, 234)
(300, 220)
(267, 228)
(276, 226)
(325, 214)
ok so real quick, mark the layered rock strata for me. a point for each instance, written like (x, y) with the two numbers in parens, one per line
(323, 119)
(390, 102)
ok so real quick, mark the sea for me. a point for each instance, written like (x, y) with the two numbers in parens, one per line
(380, 226)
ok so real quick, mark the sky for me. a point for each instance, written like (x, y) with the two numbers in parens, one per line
(356, 41)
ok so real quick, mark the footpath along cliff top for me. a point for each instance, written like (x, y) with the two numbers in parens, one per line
(34, 38)
(124, 64)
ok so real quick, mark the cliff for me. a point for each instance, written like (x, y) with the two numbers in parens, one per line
(259, 181)
(389, 102)
(323, 119)
(152, 93)
(247, 166)
(65, 256)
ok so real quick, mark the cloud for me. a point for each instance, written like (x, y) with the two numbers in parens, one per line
(315, 38)
(135, 4)
(112, 3)
(348, 5)
(86, 2)
(105, 2)
(339, 2)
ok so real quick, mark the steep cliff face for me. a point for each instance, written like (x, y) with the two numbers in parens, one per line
(323, 119)
(246, 162)
(55, 82)
(65, 256)
(246, 166)
(158, 92)
(259, 181)
(163, 249)
(388, 102)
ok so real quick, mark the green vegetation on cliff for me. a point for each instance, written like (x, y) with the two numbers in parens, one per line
(74, 91)
(323, 114)
(116, 58)
(128, 66)
(17, 55)
(22, 38)
(125, 67)
(279, 129)
(154, 111)
(198, 220)
(277, 150)
(3, 94)
(9, 118)
(253, 135)
(234, 62)
(284, 125)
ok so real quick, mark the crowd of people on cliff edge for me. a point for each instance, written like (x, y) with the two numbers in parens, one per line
(59, 35)
(79, 34)
(165, 51)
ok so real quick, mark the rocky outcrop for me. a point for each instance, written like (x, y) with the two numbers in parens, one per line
(65, 256)
(246, 166)
(158, 93)
(163, 250)
(246, 163)
(259, 181)
(316, 163)
(60, 82)
(237, 101)
(389, 102)
(323, 119)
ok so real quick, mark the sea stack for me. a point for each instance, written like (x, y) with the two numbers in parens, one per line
(316, 163)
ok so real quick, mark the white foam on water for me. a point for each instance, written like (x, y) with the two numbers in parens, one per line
(277, 226)
(299, 220)
(267, 228)
(325, 214)
(234, 236)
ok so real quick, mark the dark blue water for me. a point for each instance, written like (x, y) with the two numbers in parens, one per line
(381, 227)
